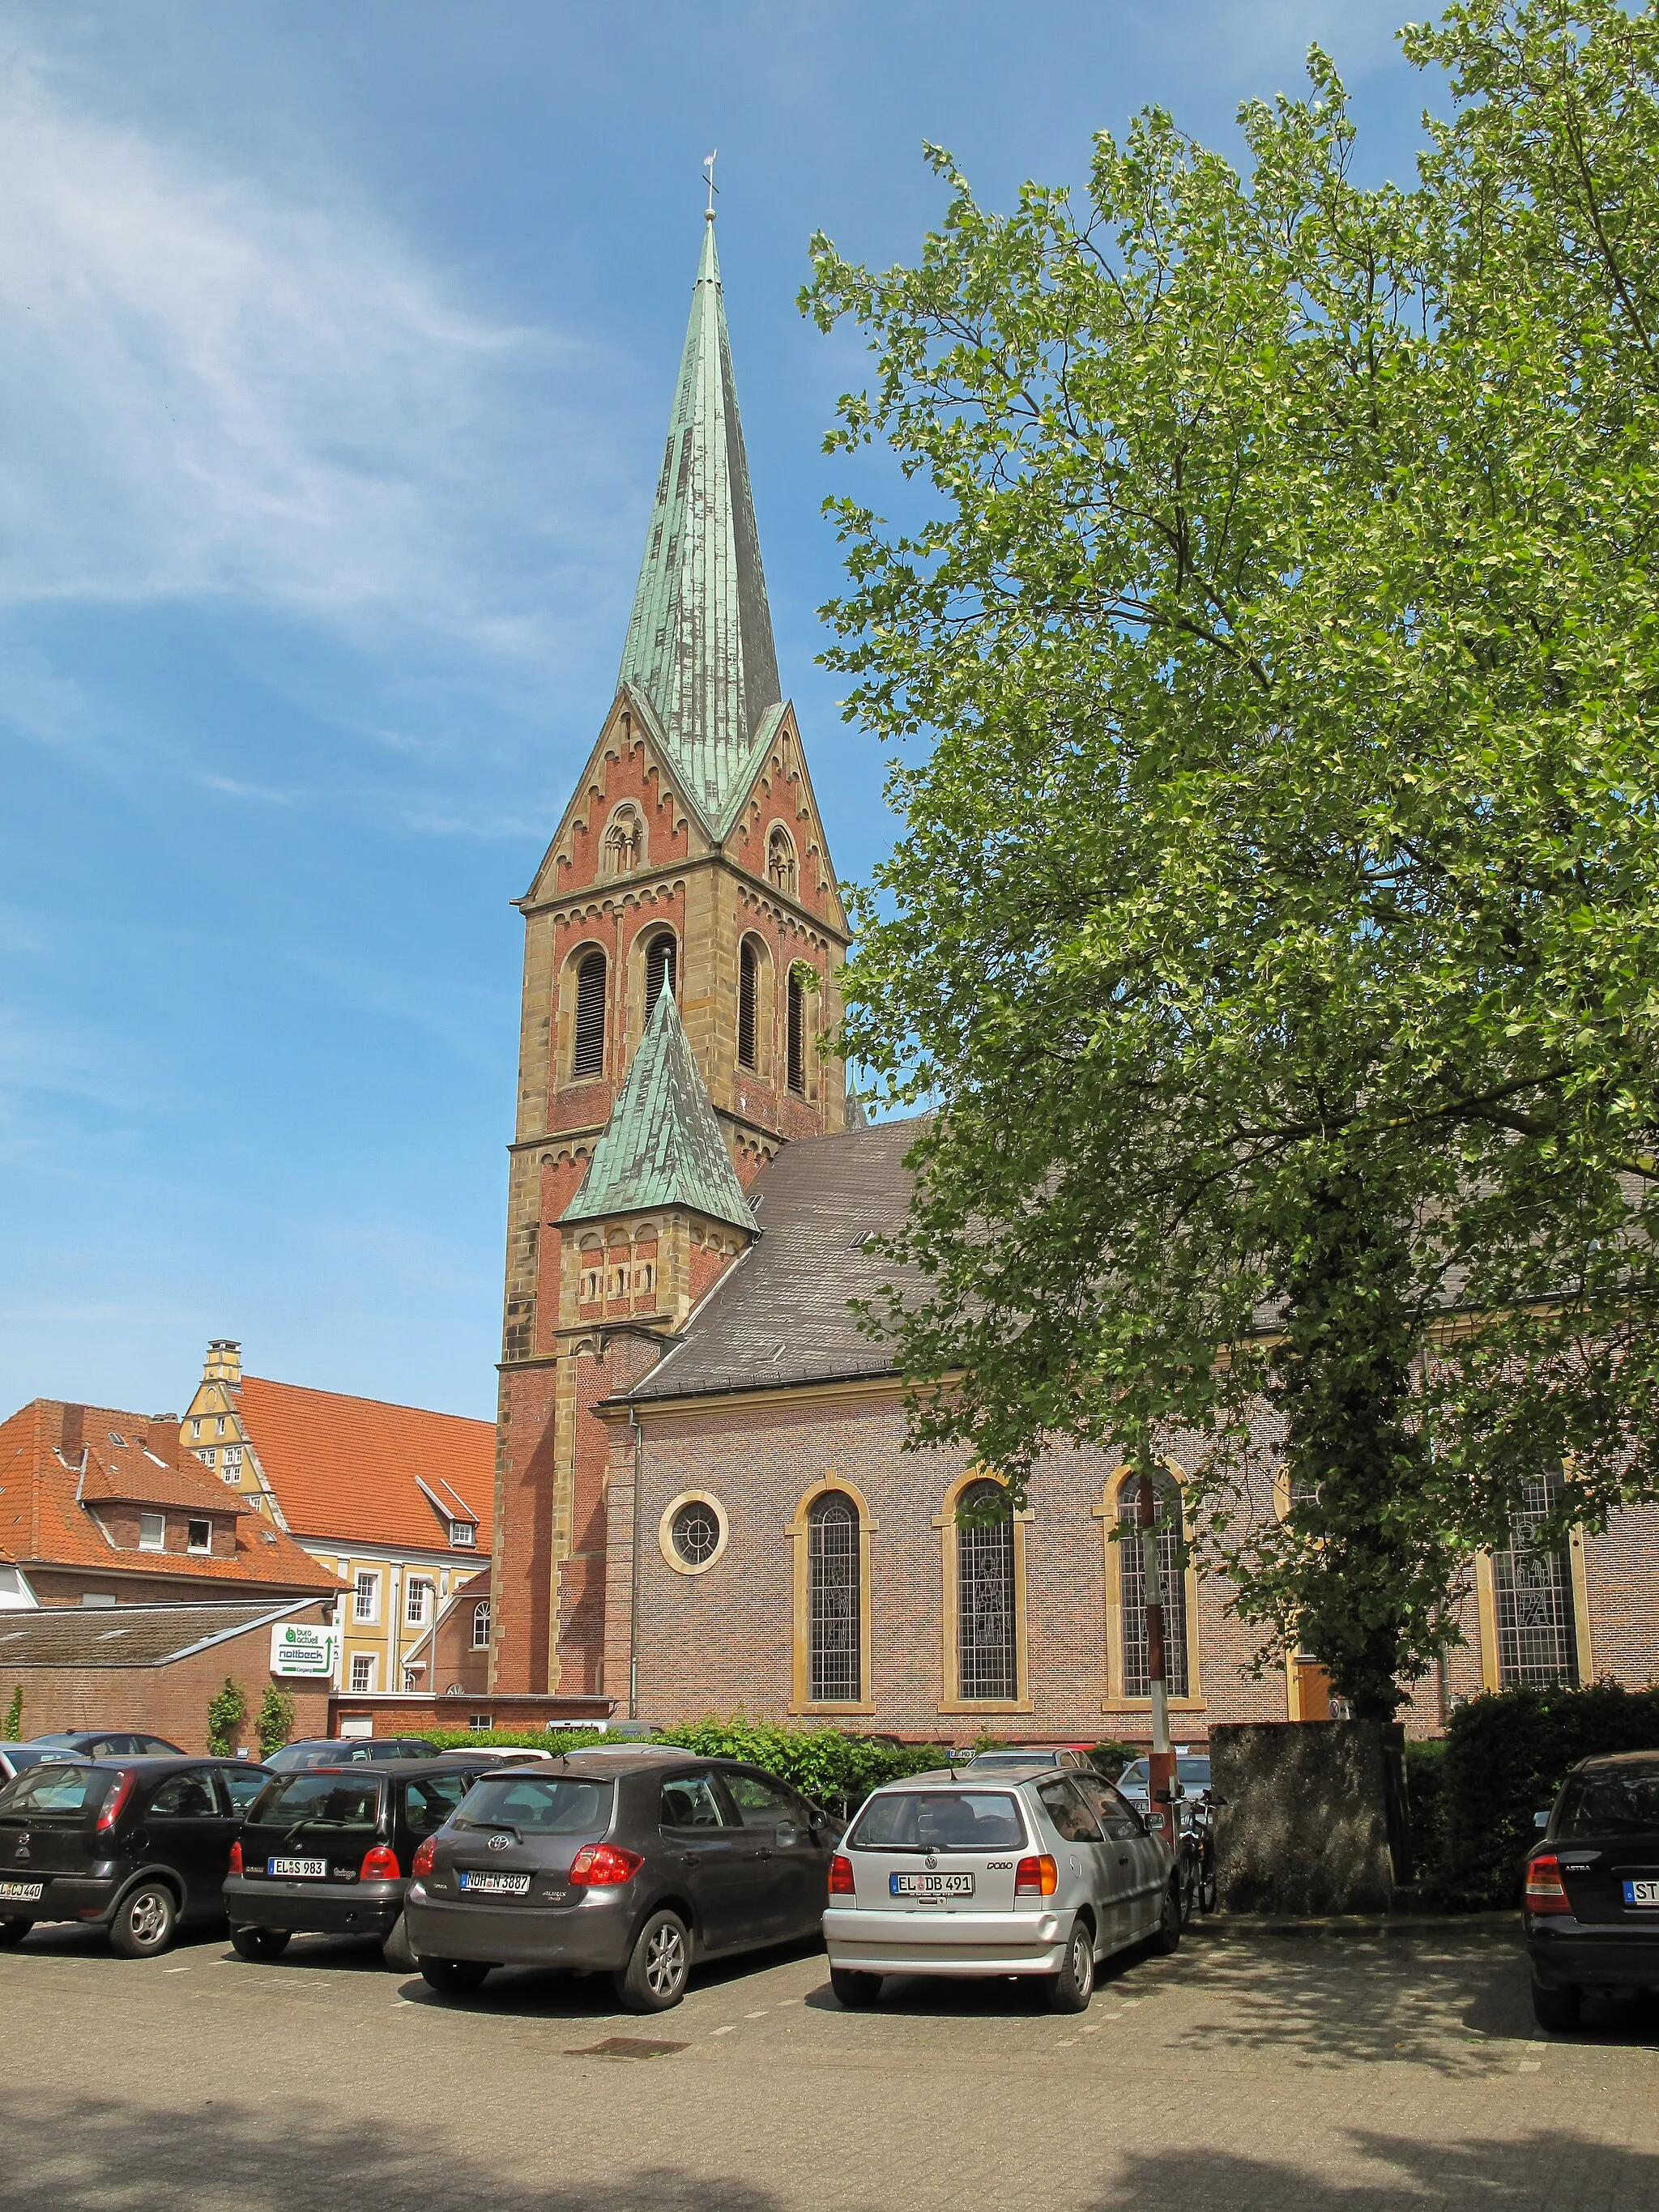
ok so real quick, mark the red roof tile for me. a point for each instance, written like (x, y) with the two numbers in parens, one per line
(351, 1470)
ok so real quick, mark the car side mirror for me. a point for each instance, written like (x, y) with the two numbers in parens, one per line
(1541, 1819)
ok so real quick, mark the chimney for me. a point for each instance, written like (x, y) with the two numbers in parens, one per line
(73, 1441)
(224, 1362)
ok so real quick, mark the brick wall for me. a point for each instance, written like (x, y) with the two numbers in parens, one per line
(415, 1714)
(170, 1701)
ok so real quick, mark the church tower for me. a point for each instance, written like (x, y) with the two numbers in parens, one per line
(683, 938)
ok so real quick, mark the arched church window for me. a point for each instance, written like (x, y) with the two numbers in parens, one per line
(1537, 1639)
(659, 964)
(797, 1035)
(481, 1624)
(986, 1645)
(832, 1568)
(1132, 1588)
(780, 860)
(747, 1003)
(624, 842)
(588, 1056)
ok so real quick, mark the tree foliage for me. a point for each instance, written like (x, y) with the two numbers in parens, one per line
(1273, 930)
(227, 1710)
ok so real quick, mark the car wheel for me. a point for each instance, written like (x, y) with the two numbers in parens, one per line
(12, 1933)
(454, 1978)
(1556, 2008)
(654, 1977)
(855, 1991)
(1071, 1989)
(146, 1920)
(397, 1951)
(1168, 1937)
(259, 1943)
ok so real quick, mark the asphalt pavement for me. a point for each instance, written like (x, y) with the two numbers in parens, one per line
(1346, 2073)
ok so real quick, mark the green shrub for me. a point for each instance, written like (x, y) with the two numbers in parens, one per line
(1425, 1794)
(275, 1722)
(13, 1730)
(1506, 1754)
(227, 1710)
(1112, 1757)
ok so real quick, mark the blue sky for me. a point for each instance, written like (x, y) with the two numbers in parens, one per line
(336, 346)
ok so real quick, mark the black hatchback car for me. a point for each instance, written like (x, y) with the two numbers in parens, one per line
(326, 1851)
(638, 1864)
(110, 1743)
(1590, 1909)
(350, 1751)
(138, 1846)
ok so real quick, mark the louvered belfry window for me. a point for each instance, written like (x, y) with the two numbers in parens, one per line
(748, 1005)
(797, 1037)
(1132, 1590)
(1537, 1642)
(658, 969)
(588, 1058)
(986, 1625)
(832, 1566)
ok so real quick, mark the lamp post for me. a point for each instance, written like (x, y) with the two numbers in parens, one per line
(1161, 1782)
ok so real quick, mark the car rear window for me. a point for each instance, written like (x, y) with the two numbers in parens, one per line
(561, 1806)
(1620, 1800)
(430, 1800)
(939, 1819)
(57, 1792)
(320, 1801)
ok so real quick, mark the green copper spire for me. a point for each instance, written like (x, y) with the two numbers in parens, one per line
(700, 638)
(662, 1146)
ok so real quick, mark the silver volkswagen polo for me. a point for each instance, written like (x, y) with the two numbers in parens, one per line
(1034, 1872)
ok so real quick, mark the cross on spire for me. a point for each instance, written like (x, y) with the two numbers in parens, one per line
(708, 179)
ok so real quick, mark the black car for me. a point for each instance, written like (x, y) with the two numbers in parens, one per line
(350, 1751)
(327, 1850)
(15, 1757)
(636, 1864)
(111, 1743)
(138, 1846)
(1591, 1908)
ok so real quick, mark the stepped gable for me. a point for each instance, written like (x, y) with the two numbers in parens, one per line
(662, 1146)
(781, 1316)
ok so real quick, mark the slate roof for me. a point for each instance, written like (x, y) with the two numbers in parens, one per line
(780, 1314)
(59, 1461)
(357, 1470)
(129, 1634)
(662, 1146)
(699, 649)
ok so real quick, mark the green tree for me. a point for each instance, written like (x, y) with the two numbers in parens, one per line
(227, 1710)
(274, 1723)
(1273, 929)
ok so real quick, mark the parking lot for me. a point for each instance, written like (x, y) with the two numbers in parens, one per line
(1249, 2069)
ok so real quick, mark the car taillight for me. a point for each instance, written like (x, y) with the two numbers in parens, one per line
(1037, 1877)
(379, 1864)
(598, 1866)
(236, 1858)
(1546, 1891)
(841, 1877)
(110, 1812)
(423, 1858)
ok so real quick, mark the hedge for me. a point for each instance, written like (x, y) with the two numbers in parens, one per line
(836, 1770)
(1504, 1757)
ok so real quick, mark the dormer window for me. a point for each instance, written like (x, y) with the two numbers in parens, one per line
(464, 1533)
(152, 1532)
(199, 1536)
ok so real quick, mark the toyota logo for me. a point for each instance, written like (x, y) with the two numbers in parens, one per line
(500, 1843)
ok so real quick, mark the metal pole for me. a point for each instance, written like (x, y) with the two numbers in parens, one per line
(634, 1578)
(1161, 1782)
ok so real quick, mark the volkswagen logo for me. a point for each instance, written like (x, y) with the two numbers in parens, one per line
(932, 1861)
(498, 1843)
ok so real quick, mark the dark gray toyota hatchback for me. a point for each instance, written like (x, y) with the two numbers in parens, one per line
(638, 1863)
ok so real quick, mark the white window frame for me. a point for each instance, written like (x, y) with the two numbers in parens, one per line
(366, 1662)
(152, 1537)
(414, 1616)
(481, 1619)
(370, 1577)
(199, 1551)
(464, 1535)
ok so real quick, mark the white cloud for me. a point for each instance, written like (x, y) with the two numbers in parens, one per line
(214, 389)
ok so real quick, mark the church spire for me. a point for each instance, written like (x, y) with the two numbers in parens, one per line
(700, 645)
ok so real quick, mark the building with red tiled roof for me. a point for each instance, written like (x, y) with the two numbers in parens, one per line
(97, 1507)
(394, 1499)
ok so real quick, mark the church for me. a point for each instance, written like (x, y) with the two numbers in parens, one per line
(702, 1503)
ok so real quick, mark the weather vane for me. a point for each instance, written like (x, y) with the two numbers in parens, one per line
(708, 179)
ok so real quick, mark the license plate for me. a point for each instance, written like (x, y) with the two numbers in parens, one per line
(1645, 1892)
(493, 1884)
(22, 1893)
(300, 1870)
(926, 1885)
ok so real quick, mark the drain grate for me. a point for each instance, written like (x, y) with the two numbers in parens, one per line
(625, 2047)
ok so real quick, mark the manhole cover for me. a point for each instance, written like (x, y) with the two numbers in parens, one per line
(624, 2046)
